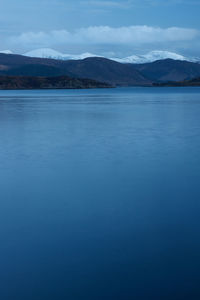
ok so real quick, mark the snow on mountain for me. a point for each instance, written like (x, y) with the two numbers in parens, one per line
(83, 55)
(6, 52)
(44, 53)
(134, 59)
(151, 57)
(50, 53)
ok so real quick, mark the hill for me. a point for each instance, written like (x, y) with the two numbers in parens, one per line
(169, 70)
(103, 69)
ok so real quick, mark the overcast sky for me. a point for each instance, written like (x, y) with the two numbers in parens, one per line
(113, 27)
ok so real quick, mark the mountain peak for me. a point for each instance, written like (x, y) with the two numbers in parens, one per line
(44, 53)
(51, 53)
(151, 57)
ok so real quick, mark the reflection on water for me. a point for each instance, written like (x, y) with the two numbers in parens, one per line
(100, 194)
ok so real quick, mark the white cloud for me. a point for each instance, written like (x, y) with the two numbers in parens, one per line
(132, 35)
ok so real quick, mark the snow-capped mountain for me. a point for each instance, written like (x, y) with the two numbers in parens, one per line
(151, 57)
(134, 59)
(50, 53)
(6, 52)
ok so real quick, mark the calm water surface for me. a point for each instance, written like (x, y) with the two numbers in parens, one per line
(100, 194)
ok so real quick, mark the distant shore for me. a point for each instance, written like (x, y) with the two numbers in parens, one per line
(65, 82)
(60, 82)
(190, 83)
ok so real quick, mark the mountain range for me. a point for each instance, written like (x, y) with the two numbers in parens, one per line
(135, 59)
(100, 69)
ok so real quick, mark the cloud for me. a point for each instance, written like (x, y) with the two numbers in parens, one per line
(132, 35)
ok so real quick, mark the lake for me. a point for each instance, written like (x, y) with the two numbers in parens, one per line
(100, 194)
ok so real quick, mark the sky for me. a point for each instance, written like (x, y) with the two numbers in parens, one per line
(104, 27)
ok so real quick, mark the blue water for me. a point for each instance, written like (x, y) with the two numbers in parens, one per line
(100, 194)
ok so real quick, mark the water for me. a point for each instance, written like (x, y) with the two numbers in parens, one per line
(100, 194)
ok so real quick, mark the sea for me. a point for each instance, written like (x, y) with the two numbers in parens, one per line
(100, 194)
